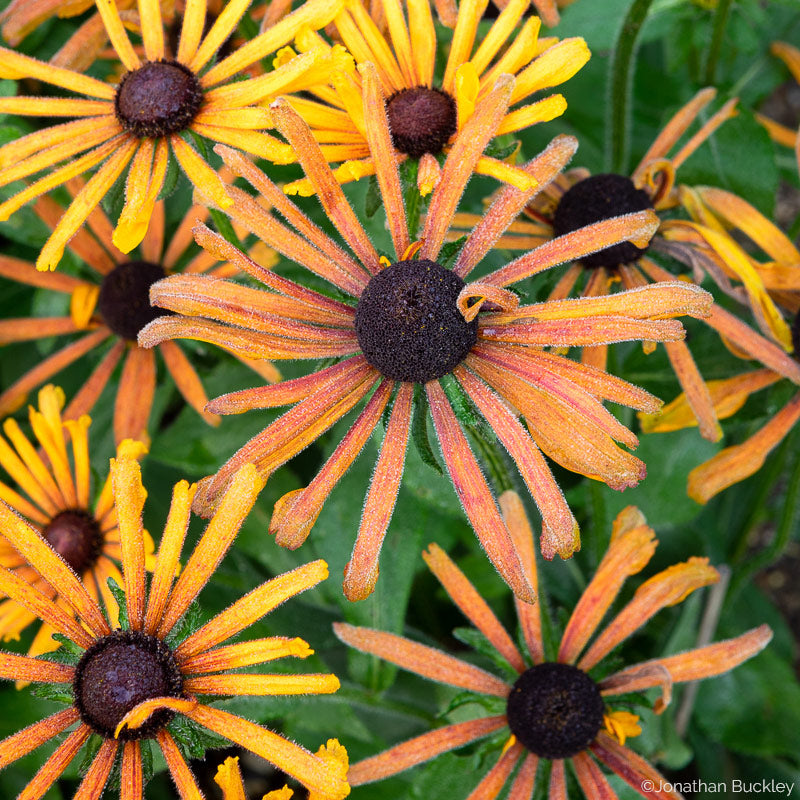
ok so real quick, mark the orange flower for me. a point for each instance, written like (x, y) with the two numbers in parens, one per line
(128, 685)
(56, 503)
(229, 779)
(556, 710)
(112, 307)
(156, 103)
(417, 322)
(576, 198)
(427, 119)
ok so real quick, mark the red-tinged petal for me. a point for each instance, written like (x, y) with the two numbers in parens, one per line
(557, 790)
(668, 587)
(137, 387)
(472, 605)
(361, 572)
(591, 779)
(494, 781)
(290, 433)
(83, 402)
(286, 392)
(187, 380)
(522, 535)
(693, 665)
(653, 674)
(633, 769)
(178, 768)
(510, 202)
(422, 748)
(474, 493)
(560, 532)
(292, 521)
(28, 739)
(51, 770)
(734, 464)
(421, 659)
(627, 554)
(96, 776)
(251, 607)
(637, 227)
(131, 778)
(464, 154)
(325, 184)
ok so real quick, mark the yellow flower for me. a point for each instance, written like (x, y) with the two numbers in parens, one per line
(128, 685)
(111, 307)
(56, 501)
(556, 710)
(156, 103)
(428, 119)
(417, 327)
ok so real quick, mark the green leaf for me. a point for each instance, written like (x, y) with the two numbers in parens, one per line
(494, 705)
(497, 149)
(58, 692)
(450, 250)
(373, 200)
(122, 602)
(186, 625)
(419, 431)
(462, 406)
(478, 642)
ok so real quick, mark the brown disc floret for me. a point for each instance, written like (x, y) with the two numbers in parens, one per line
(124, 301)
(421, 120)
(158, 99)
(555, 710)
(75, 535)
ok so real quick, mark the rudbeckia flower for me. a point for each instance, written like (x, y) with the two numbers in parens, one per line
(141, 120)
(56, 501)
(229, 778)
(112, 306)
(735, 463)
(414, 326)
(426, 119)
(577, 198)
(557, 710)
(790, 55)
(128, 684)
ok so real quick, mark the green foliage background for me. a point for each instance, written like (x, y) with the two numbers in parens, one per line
(743, 725)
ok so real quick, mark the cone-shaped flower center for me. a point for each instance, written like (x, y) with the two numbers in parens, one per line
(118, 672)
(595, 199)
(555, 710)
(75, 535)
(408, 324)
(159, 98)
(421, 120)
(124, 301)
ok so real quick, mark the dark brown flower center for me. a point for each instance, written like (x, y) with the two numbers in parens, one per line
(118, 672)
(124, 301)
(796, 336)
(595, 199)
(408, 324)
(75, 535)
(159, 98)
(555, 710)
(421, 120)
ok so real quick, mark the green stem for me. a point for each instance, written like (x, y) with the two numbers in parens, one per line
(620, 79)
(717, 37)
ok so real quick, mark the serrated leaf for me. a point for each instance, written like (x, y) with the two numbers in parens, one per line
(67, 645)
(170, 179)
(58, 692)
(186, 625)
(459, 400)
(480, 644)
(494, 705)
(92, 747)
(450, 250)
(119, 596)
(496, 149)
(419, 431)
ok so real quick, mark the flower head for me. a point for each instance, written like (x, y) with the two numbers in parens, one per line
(111, 306)
(418, 328)
(556, 710)
(427, 118)
(158, 101)
(56, 501)
(129, 684)
(577, 198)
